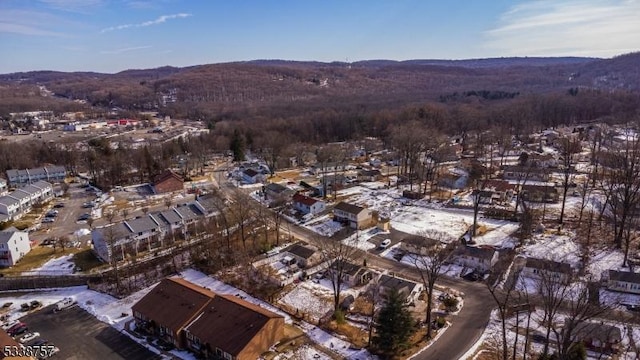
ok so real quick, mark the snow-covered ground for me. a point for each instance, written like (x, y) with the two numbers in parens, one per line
(492, 336)
(554, 247)
(324, 225)
(62, 265)
(315, 299)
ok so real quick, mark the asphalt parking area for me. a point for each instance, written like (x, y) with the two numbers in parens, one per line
(79, 335)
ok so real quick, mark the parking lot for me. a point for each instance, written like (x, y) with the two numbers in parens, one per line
(79, 335)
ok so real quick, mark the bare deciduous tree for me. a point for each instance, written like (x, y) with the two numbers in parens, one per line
(338, 257)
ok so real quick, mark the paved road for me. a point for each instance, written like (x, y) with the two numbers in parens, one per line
(467, 326)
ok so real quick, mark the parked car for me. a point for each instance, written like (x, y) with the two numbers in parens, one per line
(64, 303)
(20, 329)
(38, 342)
(84, 217)
(9, 324)
(48, 220)
(15, 325)
(385, 243)
(29, 336)
(35, 304)
(58, 205)
(52, 213)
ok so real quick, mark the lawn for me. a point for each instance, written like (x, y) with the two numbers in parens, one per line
(86, 260)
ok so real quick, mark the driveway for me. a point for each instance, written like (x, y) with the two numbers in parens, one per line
(79, 335)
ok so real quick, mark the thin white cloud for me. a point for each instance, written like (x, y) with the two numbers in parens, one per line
(73, 5)
(32, 23)
(159, 20)
(568, 27)
(122, 50)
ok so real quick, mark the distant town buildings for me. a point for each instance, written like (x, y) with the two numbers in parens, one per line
(53, 174)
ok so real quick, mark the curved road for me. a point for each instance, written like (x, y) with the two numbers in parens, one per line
(466, 327)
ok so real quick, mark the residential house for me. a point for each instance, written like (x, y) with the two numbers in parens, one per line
(277, 192)
(624, 281)
(408, 289)
(168, 182)
(305, 256)
(251, 176)
(14, 245)
(320, 168)
(211, 325)
(52, 174)
(369, 175)
(500, 190)
(335, 182)
(352, 275)
(453, 180)
(207, 204)
(542, 160)
(539, 193)
(481, 258)
(10, 208)
(525, 173)
(418, 245)
(598, 337)
(4, 189)
(548, 269)
(144, 233)
(308, 205)
(352, 215)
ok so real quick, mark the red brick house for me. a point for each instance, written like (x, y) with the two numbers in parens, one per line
(167, 182)
(212, 326)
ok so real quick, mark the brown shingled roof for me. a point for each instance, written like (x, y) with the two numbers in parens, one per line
(166, 175)
(229, 323)
(173, 303)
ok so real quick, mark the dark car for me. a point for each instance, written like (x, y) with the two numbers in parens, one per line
(20, 329)
(16, 325)
(58, 205)
(472, 276)
(84, 217)
(38, 342)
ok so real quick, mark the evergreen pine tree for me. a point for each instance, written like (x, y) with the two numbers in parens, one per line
(237, 146)
(394, 325)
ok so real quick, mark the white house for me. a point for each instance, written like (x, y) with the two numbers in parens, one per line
(408, 289)
(252, 176)
(308, 205)
(624, 281)
(3, 187)
(548, 269)
(14, 245)
(481, 259)
(29, 176)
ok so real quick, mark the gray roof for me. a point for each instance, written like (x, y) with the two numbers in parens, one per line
(142, 224)
(20, 194)
(276, 188)
(37, 172)
(625, 276)
(5, 236)
(396, 283)
(55, 169)
(549, 265)
(477, 252)
(7, 200)
(42, 184)
(207, 202)
(4, 218)
(3, 181)
(300, 250)
(607, 334)
(170, 216)
(349, 208)
(31, 189)
(188, 212)
(13, 173)
(118, 231)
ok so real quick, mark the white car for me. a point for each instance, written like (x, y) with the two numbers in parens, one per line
(9, 324)
(28, 337)
(385, 243)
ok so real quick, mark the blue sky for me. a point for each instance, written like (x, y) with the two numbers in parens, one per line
(115, 35)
